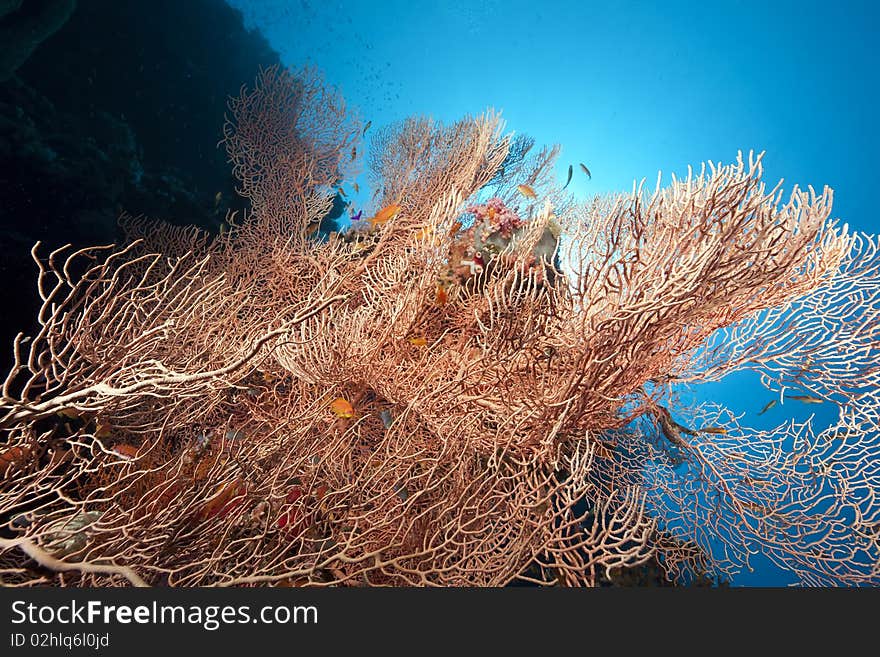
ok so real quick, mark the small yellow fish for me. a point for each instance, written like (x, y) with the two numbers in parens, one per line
(419, 342)
(71, 413)
(222, 229)
(586, 171)
(366, 127)
(527, 191)
(716, 430)
(217, 198)
(807, 399)
(341, 408)
(424, 233)
(770, 404)
(386, 213)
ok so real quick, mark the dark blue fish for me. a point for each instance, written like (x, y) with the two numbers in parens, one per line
(570, 171)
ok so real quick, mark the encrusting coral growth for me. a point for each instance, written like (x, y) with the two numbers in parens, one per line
(471, 388)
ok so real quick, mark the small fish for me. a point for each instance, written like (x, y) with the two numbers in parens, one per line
(341, 192)
(419, 342)
(770, 404)
(402, 492)
(386, 213)
(70, 413)
(224, 500)
(570, 172)
(126, 451)
(217, 198)
(356, 188)
(13, 457)
(456, 226)
(424, 232)
(313, 229)
(366, 127)
(386, 417)
(354, 153)
(341, 408)
(807, 399)
(222, 229)
(321, 491)
(357, 217)
(721, 431)
(441, 296)
(69, 535)
(586, 171)
(527, 191)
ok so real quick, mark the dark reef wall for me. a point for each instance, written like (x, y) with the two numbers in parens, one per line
(119, 107)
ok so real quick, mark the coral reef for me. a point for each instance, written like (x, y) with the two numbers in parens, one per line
(470, 389)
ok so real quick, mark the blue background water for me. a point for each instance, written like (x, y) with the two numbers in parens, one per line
(629, 88)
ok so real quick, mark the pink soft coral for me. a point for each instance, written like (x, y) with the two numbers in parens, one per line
(501, 219)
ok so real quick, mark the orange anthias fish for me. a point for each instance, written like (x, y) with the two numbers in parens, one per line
(226, 498)
(419, 342)
(527, 191)
(13, 457)
(126, 451)
(383, 215)
(442, 297)
(341, 408)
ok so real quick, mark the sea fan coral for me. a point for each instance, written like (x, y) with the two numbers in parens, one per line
(264, 407)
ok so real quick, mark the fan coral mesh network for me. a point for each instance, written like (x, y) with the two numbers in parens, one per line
(471, 388)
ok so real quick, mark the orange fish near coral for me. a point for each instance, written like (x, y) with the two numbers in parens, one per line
(227, 497)
(125, 451)
(419, 342)
(341, 408)
(527, 191)
(441, 296)
(386, 213)
(13, 457)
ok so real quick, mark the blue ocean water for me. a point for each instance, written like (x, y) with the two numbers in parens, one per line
(630, 88)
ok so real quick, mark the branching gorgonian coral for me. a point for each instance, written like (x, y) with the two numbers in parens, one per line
(469, 389)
